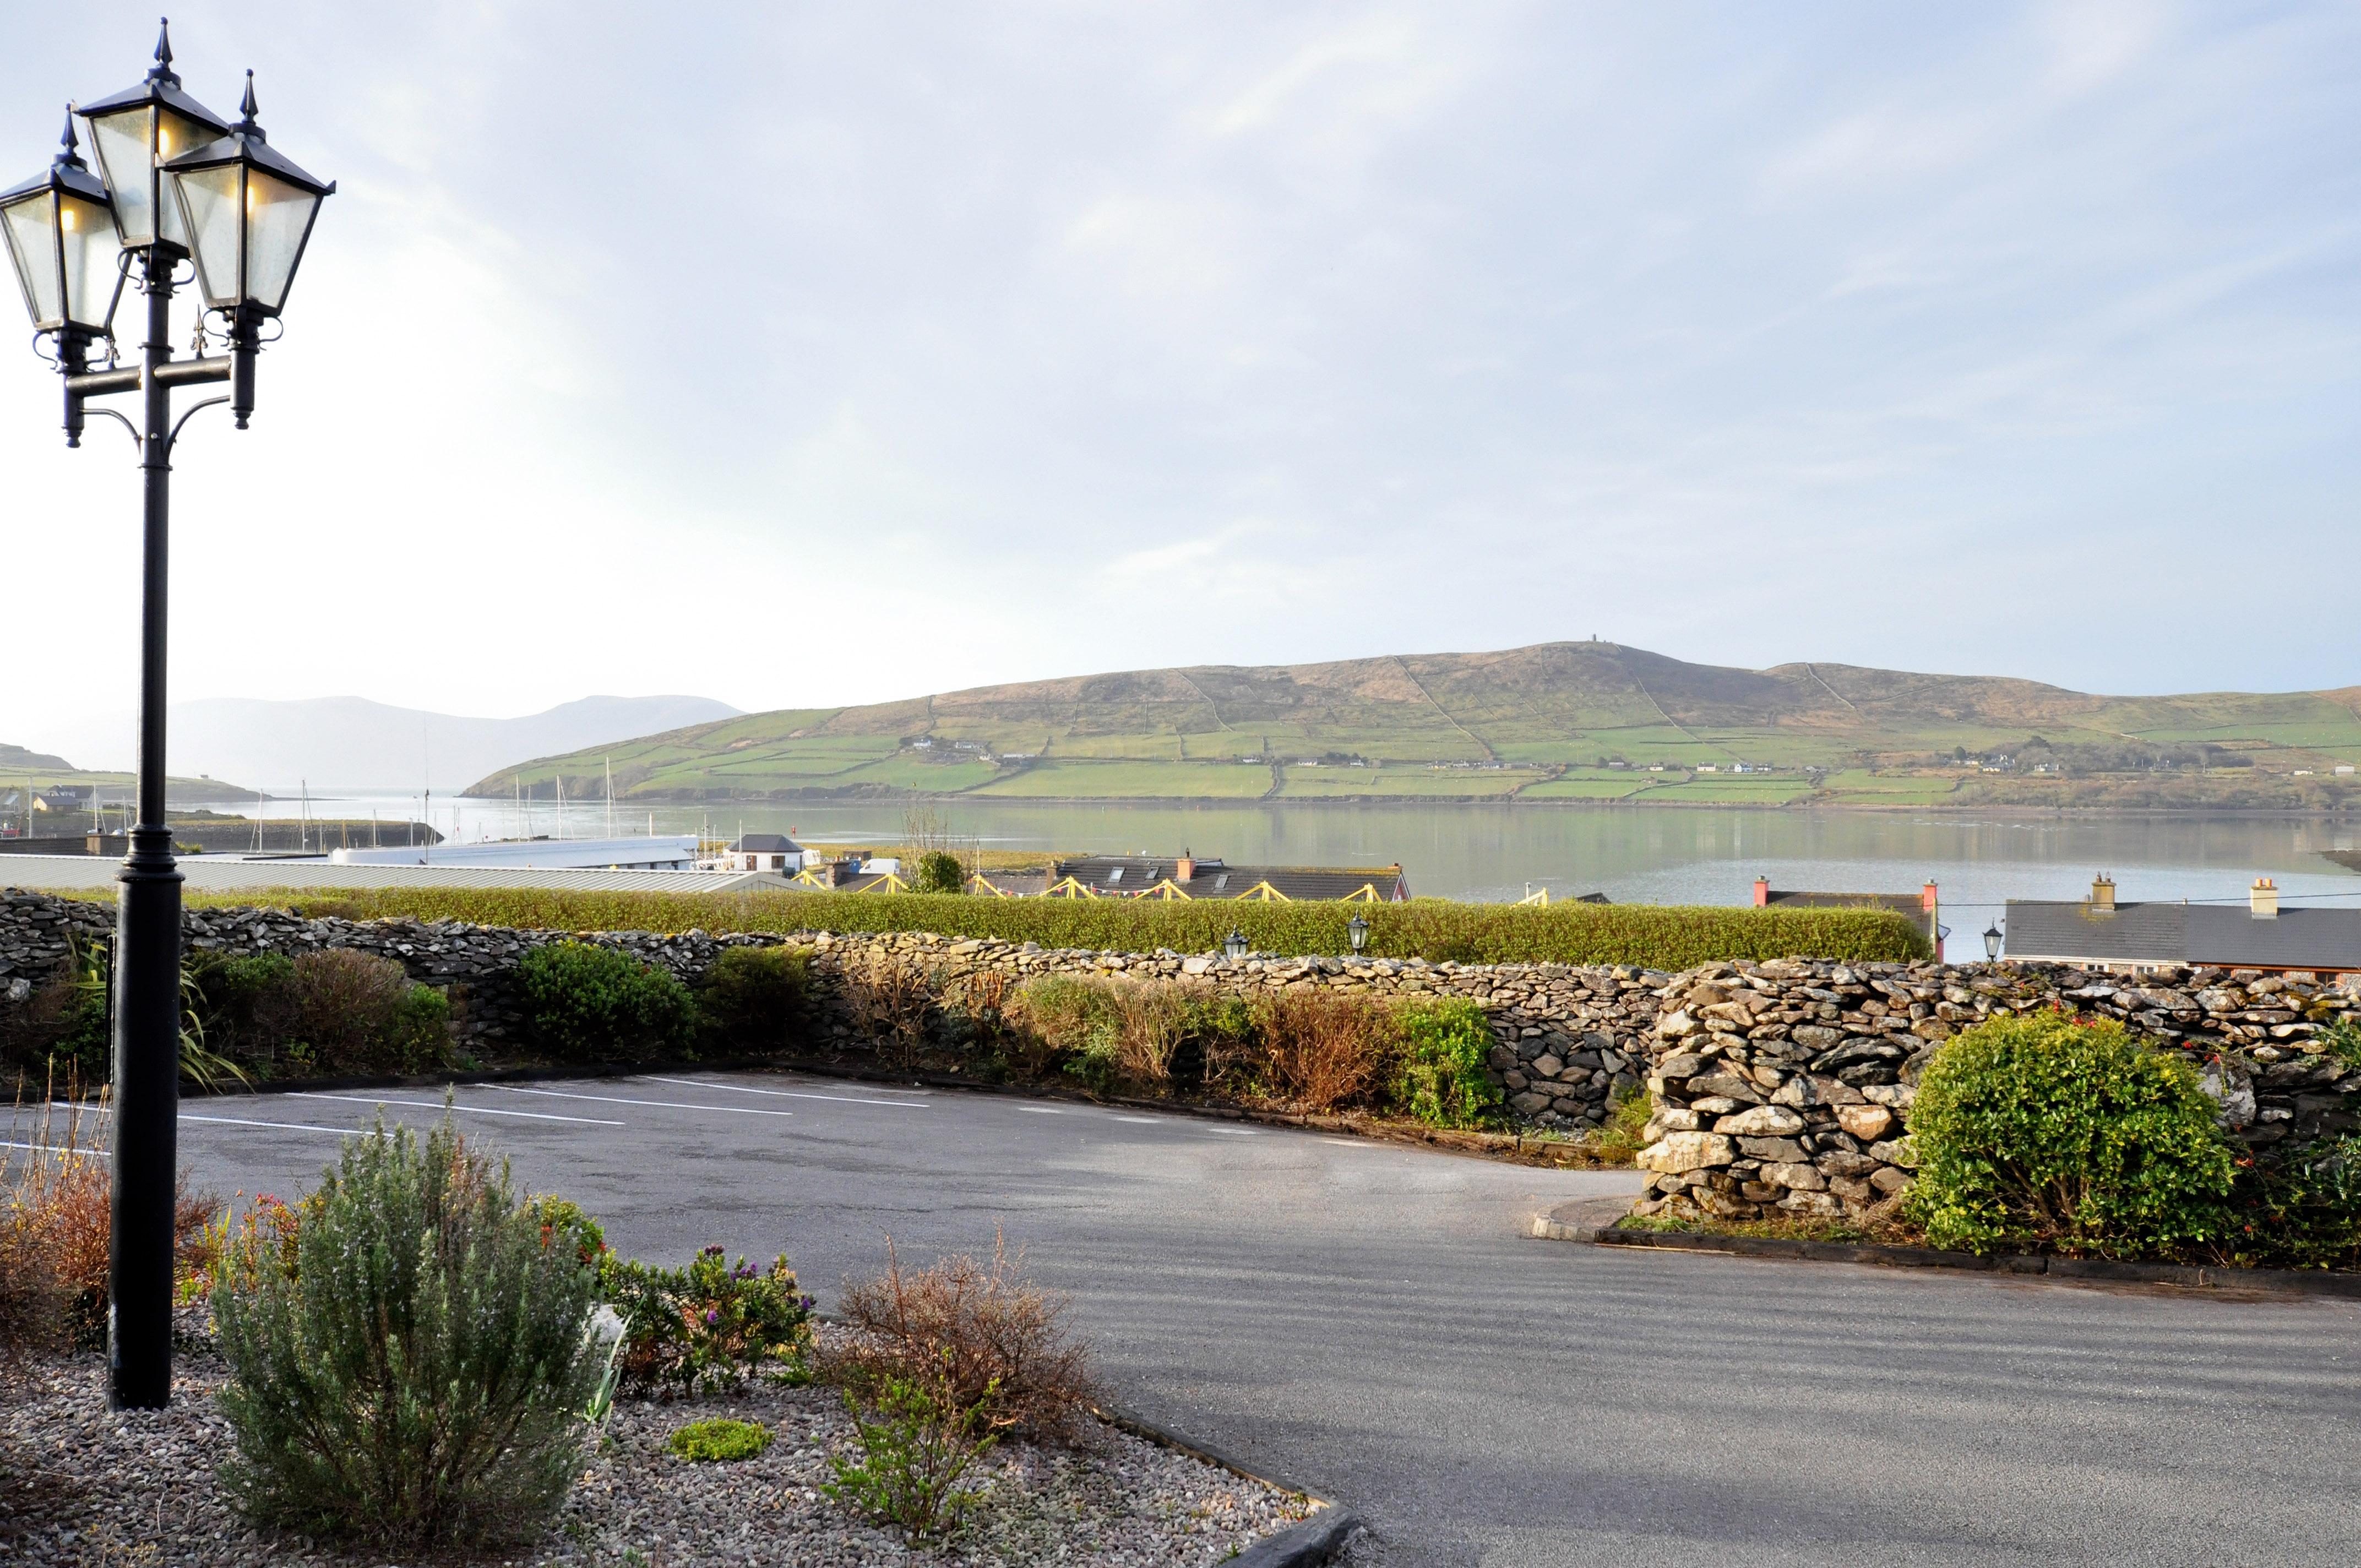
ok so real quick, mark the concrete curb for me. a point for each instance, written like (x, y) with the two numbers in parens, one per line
(1317, 1540)
(2295, 1282)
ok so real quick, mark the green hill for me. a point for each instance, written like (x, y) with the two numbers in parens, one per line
(1558, 721)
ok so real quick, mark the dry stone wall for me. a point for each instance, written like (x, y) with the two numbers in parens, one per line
(1777, 1087)
(1780, 1088)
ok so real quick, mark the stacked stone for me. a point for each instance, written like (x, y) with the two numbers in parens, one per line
(37, 937)
(1780, 1088)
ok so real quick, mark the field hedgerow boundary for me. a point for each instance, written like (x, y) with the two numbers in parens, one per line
(1657, 936)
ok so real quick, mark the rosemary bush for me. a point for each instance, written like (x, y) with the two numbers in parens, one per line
(417, 1377)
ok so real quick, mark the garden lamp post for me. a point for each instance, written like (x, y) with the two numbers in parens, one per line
(1991, 943)
(176, 182)
(1357, 931)
(1233, 946)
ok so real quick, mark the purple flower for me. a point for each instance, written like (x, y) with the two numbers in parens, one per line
(712, 1316)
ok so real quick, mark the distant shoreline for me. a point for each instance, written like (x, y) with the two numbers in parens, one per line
(2351, 811)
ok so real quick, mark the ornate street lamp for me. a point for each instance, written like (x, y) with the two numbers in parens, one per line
(60, 232)
(245, 213)
(1357, 931)
(249, 211)
(1991, 943)
(135, 133)
(1233, 946)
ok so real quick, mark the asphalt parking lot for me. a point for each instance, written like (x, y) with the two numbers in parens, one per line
(1371, 1321)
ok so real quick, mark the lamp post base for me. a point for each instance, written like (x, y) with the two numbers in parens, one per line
(147, 1095)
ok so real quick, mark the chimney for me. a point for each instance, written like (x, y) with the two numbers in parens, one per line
(2263, 899)
(1761, 892)
(2103, 894)
(1185, 867)
(1927, 898)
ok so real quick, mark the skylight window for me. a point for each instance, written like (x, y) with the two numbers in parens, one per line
(1114, 876)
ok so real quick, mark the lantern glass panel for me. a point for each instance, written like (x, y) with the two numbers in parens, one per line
(126, 163)
(91, 253)
(278, 217)
(210, 198)
(175, 136)
(31, 227)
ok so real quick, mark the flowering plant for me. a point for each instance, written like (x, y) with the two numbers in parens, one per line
(711, 1325)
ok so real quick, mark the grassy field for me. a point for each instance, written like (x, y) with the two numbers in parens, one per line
(1405, 782)
(1131, 781)
(1554, 713)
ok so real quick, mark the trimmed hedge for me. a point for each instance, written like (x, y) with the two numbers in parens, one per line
(1661, 937)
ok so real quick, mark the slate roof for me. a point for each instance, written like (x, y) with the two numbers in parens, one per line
(2224, 935)
(765, 844)
(1911, 907)
(2298, 938)
(2082, 933)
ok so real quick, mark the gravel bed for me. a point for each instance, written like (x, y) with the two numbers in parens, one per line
(81, 1485)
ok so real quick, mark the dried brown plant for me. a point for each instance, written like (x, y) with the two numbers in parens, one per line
(1325, 1048)
(56, 1221)
(892, 1003)
(983, 1330)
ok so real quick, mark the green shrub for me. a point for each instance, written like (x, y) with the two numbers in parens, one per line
(2043, 1131)
(2295, 1208)
(757, 999)
(243, 1000)
(417, 1379)
(338, 1010)
(914, 1454)
(711, 1326)
(565, 1226)
(939, 872)
(588, 1003)
(721, 1441)
(1658, 937)
(1439, 1076)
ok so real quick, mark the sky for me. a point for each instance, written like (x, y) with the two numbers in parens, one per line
(803, 354)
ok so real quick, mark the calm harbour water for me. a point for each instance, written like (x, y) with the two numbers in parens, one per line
(1659, 855)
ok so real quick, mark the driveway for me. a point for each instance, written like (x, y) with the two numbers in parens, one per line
(1370, 1321)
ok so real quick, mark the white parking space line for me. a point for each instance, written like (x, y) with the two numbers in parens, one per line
(474, 1110)
(287, 1127)
(50, 1148)
(1234, 1132)
(660, 1104)
(1040, 1110)
(1347, 1142)
(790, 1093)
(1144, 1121)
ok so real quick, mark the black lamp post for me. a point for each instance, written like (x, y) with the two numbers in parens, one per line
(177, 180)
(1233, 946)
(1991, 943)
(1358, 930)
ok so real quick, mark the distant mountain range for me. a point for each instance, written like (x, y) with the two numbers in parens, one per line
(350, 742)
(1557, 721)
